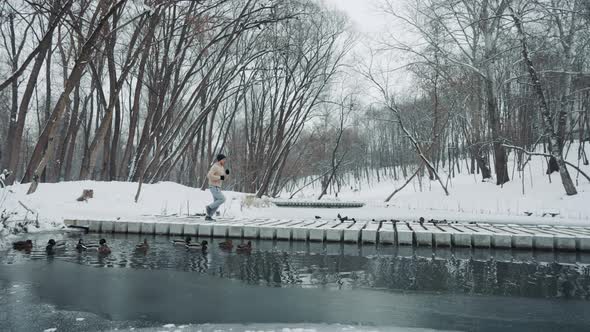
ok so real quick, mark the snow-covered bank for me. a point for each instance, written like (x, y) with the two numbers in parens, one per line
(57, 201)
(469, 200)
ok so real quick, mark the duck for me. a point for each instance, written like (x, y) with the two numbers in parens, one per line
(142, 246)
(227, 245)
(201, 246)
(182, 242)
(53, 245)
(22, 245)
(103, 249)
(245, 247)
(80, 246)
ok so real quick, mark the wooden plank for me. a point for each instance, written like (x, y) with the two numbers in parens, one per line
(318, 204)
(405, 234)
(176, 228)
(301, 232)
(336, 233)
(454, 235)
(206, 228)
(319, 232)
(120, 226)
(133, 227)
(543, 240)
(236, 228)
(463, 237)
(370, 232)
(423, 235)
(520, 239)
(269, 231)
(107, 226)
(353, 233)
(500, 238)
(94, 226)
(480, 237)
(252, 230)
(193, 229)
(70, 222)
(582, 240)
(285, 231)
(442, 238)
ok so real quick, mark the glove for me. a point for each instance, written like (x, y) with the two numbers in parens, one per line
(227, 171)
(222, 178)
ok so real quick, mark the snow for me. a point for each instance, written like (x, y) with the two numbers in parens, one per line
(469, 200)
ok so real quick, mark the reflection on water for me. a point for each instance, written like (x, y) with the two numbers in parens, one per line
(297, 264)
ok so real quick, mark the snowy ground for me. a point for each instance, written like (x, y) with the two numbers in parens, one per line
(469, 200)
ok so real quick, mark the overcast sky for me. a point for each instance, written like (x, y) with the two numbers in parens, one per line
(364, 13)
(369, 20)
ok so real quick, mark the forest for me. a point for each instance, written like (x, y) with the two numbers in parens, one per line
(152, 90)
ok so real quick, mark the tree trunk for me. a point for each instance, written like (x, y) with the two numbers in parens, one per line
(500, 159)
(12, 121)
(125, 167)
(72, 135)
(103, 134)
(40, 158)
(554, 138)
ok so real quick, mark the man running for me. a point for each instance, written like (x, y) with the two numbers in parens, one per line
(216, 174)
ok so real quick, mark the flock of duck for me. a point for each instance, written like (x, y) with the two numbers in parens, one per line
(102, 247)
(55, 246)
(227, 245)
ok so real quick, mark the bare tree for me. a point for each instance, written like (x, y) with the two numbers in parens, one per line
(556, 151)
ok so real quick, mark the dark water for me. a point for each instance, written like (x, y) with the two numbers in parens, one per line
(291, 283)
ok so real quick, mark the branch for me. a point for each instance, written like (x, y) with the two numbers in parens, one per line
(417, 147)
(405, 184)
(546, 155)
(48, 35)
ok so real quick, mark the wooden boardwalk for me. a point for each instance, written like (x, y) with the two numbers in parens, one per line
(317, 204)
(559, 238)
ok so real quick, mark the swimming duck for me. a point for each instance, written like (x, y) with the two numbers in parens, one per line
(81, 245)
(103, 249)
(227, 245)
(245, 247)
(182, 242)
(85, 246)
(22, 245)
(142, 246)
(53, 245)
(202, 245)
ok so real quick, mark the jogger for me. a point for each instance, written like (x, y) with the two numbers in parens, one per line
(216, 175)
